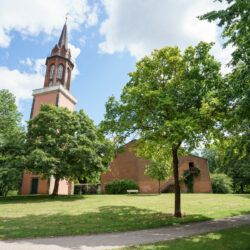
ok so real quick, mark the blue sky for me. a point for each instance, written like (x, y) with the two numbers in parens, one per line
(107, 38)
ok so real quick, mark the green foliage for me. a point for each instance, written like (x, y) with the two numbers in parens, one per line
(188, 177)
(120, 186)
(231, 156)
(157, 170)
(234, 19)
(11, 144)
(172, 99)
(221, 183)
(66, 145)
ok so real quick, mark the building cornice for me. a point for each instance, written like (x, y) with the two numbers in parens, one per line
(59, 88)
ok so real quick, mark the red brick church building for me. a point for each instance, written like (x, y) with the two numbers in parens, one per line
(56, 91)
(126, 165)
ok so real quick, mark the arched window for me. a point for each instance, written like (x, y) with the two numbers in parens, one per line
(65, 78)
(69, 73)
(60, 72)
(52, 71)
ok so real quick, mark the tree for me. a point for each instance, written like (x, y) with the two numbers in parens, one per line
(171, 100)
(157, 171)
(221, 183)
(159, 168)
(234, 20)
(231, 157)
(66, 145)
(11, 144)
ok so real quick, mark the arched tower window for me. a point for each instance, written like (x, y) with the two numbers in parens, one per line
(52, 71)
(68, 75)
(60, 71)
(65, 78)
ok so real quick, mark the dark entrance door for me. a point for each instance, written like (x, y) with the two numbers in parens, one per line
(34, 185)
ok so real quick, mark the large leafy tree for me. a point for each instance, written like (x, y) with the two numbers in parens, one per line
(171, 100)
(11, 144)
(234, 20)
(66, 145)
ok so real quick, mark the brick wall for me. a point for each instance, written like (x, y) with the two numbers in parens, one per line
(127, 165)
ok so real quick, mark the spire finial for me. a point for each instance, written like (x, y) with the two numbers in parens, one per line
(66, 17)
(63, 41)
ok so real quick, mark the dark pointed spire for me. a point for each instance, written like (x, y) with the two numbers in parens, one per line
(63, 41)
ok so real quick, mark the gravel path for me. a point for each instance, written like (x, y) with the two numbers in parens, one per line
(117, 240)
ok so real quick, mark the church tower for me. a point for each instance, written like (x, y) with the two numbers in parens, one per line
(57, 78)
(56, 91)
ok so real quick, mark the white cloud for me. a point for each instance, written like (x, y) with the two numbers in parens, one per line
(139, 26)
(75, 52)
(20, 83)
(31, 17)
(27, 61)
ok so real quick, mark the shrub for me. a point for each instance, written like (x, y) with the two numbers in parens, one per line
(221, 183)
(120, 186)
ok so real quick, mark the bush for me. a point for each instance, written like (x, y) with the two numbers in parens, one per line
(221, 183)
(120, 186)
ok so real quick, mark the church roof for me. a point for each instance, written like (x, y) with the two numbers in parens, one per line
(63, 41)
(61, 48)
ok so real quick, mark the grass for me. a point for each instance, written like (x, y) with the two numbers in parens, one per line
(40, 216)
(230, 239)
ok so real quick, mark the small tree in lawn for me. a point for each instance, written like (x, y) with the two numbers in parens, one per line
(158, 171)
(11, 144)
(66, 145)
(159, 168)
(171, 100)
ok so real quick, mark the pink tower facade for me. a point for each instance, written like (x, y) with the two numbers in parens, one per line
(56, 91)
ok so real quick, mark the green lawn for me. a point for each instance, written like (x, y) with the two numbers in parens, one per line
(51, 216)
(230, 239)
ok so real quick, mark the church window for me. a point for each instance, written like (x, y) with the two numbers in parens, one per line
(52, 71)
(60, 71)
(65, 78)
(191, 166)
(68, 75)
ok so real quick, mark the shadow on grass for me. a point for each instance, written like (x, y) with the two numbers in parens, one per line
(39, 198)
(230, 239)
(107, 219)
(247, 196)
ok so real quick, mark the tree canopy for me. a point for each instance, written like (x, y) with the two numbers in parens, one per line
(171, 100)
(11, 144)
(234, 149)
(231, 157)
(66, 145)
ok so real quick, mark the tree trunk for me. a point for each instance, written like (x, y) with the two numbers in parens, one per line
(55, 191)
(159, 187)
(241, 188)
(177, 211)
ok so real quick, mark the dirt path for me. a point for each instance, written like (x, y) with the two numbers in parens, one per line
(117, 240)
